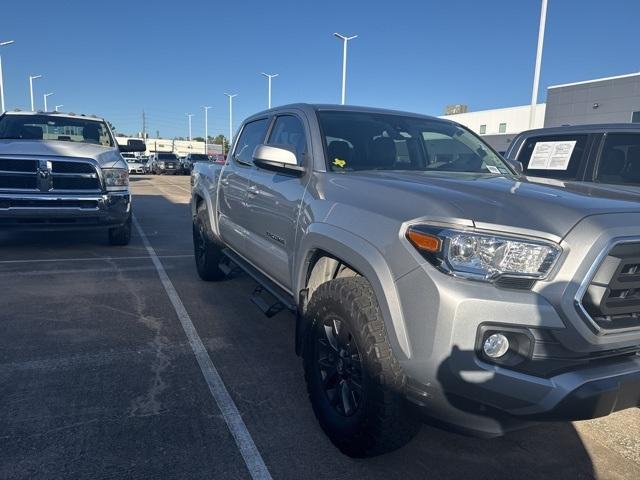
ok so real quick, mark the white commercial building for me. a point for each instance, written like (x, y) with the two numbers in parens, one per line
(180, 147)
(500, 121)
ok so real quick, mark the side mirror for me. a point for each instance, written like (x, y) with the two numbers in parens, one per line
(518, 167)
(277, 159)
(133, 146)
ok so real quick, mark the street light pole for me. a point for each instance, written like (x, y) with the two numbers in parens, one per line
(269, 77)
(345, 40)
(231, 115)
(31, 79)
(2, 109)
(536, 73)
(189, 115)
(45, 96)
(57, 108)
(206, 130)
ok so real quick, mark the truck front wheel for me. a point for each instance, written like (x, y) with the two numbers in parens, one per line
(208, 253)
(354, 381)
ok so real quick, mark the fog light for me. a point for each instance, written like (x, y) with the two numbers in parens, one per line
(496, 345)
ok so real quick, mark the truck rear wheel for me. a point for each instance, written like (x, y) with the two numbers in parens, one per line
(121, 235)
(354, 381)
(208, 253)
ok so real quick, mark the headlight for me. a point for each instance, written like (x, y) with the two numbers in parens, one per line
(116, 178)
(482, 256)
(160, 164)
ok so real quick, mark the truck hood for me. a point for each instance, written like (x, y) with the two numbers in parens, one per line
(539, 205)
(105, 157)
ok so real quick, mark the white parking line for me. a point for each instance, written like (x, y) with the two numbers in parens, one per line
(252, 458)
(88, 259)
(187, 190)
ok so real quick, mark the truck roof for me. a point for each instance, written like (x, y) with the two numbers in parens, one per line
(588, 128)
(349, 108)
(58, 114)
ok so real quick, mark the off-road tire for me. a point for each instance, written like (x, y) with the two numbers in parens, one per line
(207, 251)
(121, 236)
(381, 422)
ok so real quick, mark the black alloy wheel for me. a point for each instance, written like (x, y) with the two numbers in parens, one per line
(340, 366)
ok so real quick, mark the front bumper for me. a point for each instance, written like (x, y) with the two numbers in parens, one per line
(615, 390)
(62, 211)
(169, 170)
(450, 380)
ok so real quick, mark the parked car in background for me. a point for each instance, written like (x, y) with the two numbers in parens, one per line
(148, 165)
(63, 171)
(134, 164)
(143, 159)
(420, 267)
(218, 158)
(600, 154)
(165, 163)
(189, 160)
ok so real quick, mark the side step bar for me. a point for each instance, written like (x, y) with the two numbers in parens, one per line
(283, 300)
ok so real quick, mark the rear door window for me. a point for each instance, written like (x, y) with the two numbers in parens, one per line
(252, 135)
(554, 156)
(620, 159)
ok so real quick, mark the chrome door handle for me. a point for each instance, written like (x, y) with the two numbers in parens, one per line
(253, 190)
(224, 182)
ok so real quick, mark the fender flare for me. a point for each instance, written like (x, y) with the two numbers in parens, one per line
(199, 191)
(369, 262)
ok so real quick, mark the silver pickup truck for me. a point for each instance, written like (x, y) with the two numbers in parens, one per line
(426, 276)
(60, 171)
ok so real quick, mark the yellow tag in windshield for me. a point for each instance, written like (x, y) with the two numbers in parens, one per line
(339, 163)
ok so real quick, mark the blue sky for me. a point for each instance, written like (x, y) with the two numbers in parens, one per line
(119, 57)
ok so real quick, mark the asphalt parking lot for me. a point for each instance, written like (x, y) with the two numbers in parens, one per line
(99, 380)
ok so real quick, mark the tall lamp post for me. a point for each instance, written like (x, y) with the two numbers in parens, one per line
(269, 77)
(206, 130)
(536, 73)
(345, 39)
(230, 115)
(189, 115)
(58, 107)
(31, 79)
(45, 96)
(2, 109)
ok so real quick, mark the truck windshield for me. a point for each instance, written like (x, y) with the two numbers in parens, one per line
(53, 127)
(372, 141)
(166, 156)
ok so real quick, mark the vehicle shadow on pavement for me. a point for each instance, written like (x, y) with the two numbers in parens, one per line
(527, 450)
(52, 239)
(551, 450)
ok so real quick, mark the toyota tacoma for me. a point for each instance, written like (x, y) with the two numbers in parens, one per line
(63, 171)
(427, 277)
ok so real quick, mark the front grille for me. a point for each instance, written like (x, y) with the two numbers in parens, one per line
(57, 221)
(39, 203)
(29, 175)
(14, 182)
(74, 183)
(612, 299)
